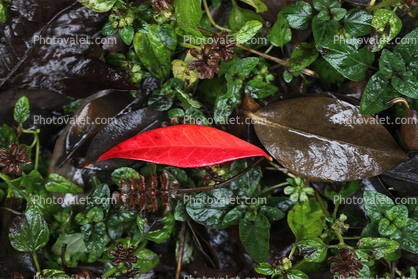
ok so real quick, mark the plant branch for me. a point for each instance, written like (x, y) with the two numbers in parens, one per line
(318, 197)
(277, 60)
(222, 184)
(211, 19)
(35, 259)
(381, 5)
(35, 134)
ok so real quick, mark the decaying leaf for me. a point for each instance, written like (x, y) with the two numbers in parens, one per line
(325, 139)
(409, 129)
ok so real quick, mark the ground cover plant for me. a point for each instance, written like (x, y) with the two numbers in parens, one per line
(208, 139)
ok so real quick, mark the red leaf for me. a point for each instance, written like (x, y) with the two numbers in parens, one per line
(185, 146)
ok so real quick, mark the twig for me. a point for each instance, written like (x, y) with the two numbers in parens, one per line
(181, 248)
(211, 19)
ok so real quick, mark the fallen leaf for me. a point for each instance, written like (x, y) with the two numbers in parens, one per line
(326, 139)
(185, 146)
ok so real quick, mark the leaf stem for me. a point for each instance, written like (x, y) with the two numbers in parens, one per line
(274, 187)
(211, 19)
(381, 5)
(277, 60)
(299, 263)
(292, 251)
(190, 46)
(110, 272)
(222, 184)
(318, 197)
(35, 134)
(35, 259)
(351, 237)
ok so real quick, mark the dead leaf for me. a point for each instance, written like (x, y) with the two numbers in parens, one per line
(326, 139)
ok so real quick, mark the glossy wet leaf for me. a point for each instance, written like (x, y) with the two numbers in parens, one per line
(159, 231)
(240, 16)
(187, 100)
(243, 67)
(297, 274)
(249, 181)
(407, 52)
(347, 60)
(255, 237)
(168, 36)
(248, 31)
(375, 248)
(153, 53)
(313, 249)
(108, 29)
(64, 66)
(407, 236)
(123, 128)
(184, 146)
(75, 244)
(394, 219)
(376, 94)
(30, 232)
(209, 208)
(303, 55)
(123, 174)
(259, 89)
(382, 18)
(21, 110)
(94, 236)
(324, 31)
(57, 183)
(357, 22)
(320, 5)
(54, 274)
(159, 100)
(406, 84)
(258, 5)
(390, 64)
(127, 34)
(376, 205)
(280, 33)
(234, 216)
(298, 14)
(273, 214)
(267, 269)
(305, 219)
(328, 142)
(188, 12)
(98, 5)
(8, 135)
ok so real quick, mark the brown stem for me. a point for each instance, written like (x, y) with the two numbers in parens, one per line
(64, 264)
(181, 248)
(222, 184)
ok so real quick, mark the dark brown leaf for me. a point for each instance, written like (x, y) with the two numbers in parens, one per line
(57, 61)
(325, 139)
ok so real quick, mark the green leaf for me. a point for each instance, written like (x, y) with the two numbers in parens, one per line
(180, 71)
(54, 274)
(259, 89)
(376, 205)
(234, 216)
(381, 18)
(406, 84)
(148, 259)
(168, 36)
(349, 62)
(313, 249)
(280, 33)
(297, 274)
(320, 5)
(239, 17)
(243, 67)
(100, 196)
(57, 183)
(375, 248)
(127, 34)
(153, 53)
(273, 214)
(30, 233)
(255, 237)
(324, 31)
(75, 244)
(389, 64)
(187, 100)
(248, 31)
(7, 135)
(108, 30)
(395, 219)
(95, 214)
(249, 181)
(123, 174)
(357, 22)
(4, 12)
(346, 189)
(305, 219)
(266, 269)
(302, 56)
(117, 60)
(377, 93)
(118, 216)
(94, 236)
(226, 103)
(407, 236)
(159, 100)
(298, 14)
(21, 109)
(100, 6)
(408, 51)
(259, 6)
(210, 207)
(164, 228)
(337, 13)
(187, 12)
